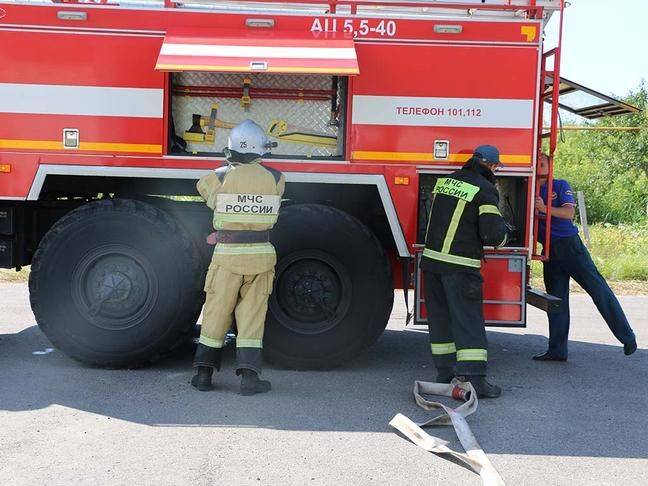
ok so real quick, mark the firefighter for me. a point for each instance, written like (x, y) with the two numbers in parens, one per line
(245, 196)
(569, 258)
(464, 217)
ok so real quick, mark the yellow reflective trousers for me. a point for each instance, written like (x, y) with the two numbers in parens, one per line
(230, 295)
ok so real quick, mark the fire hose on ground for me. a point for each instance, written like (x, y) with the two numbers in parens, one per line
(474, 457)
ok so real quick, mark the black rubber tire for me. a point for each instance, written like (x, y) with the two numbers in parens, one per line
(332, 239)
(155, 264)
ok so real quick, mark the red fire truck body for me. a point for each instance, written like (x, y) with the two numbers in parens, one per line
(110, 113)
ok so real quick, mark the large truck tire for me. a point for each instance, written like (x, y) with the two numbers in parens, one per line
(333, 291)
(115, 283)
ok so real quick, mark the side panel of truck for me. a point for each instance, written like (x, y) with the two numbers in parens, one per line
(408, 96)
(101, 85)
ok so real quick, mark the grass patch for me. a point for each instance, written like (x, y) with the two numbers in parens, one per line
(13, 276)
(620, 253)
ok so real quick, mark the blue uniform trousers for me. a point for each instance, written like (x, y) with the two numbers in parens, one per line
(570, 258)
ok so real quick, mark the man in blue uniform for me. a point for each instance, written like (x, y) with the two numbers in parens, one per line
(569, 258)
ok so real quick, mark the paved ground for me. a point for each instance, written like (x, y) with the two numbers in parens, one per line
(61, 423)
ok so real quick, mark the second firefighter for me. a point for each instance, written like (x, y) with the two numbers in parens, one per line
(463, 219)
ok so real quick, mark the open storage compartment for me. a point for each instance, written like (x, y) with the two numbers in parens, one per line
(304, 114)
(292, 85)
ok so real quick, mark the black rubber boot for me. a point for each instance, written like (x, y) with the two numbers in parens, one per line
(205, 361)
(252, 384)
(483, 388)
(630, 348)
(202, 380)
(444, 375)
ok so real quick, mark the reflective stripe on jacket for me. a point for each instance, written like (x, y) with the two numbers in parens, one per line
(464, 218)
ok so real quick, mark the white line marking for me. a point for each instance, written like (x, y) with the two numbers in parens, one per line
(47, 351)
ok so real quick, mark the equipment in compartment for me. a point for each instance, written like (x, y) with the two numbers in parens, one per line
(211, 122)
(304, 114)
(246, 101)
(280, 129)
(195, 132)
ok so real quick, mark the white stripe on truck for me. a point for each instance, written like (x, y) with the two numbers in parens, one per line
(50, 99)
(442, 112)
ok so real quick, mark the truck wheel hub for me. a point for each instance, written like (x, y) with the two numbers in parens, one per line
(314, 288)
(114, 289)
(312, 293)
(116, 285)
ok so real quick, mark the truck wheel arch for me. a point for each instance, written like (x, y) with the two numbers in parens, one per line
(128, 173)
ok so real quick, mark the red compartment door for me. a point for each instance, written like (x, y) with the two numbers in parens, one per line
(504, 291)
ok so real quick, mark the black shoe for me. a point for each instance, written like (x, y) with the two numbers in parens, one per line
(202, 380)
(252, 384)
(483, 388)
(630, 348)
(548, 357)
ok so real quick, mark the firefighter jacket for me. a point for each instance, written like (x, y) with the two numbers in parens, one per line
(245, 199)
(463, 219)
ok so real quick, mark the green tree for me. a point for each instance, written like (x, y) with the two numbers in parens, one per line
(610, 167)
(625, 150)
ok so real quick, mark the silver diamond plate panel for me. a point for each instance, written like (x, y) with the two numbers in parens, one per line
(312, 116)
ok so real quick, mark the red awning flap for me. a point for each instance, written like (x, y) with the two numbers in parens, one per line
(200, 52)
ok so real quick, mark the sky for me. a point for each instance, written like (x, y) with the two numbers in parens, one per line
(605, 44)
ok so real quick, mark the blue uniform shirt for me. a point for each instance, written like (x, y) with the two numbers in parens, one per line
(562, 196)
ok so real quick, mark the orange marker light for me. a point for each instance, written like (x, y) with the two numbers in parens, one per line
(5, 168)
(401, 181)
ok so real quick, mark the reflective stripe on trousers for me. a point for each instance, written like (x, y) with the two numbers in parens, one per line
(473, 354)
(443, 348)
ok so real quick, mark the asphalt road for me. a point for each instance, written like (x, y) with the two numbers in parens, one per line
(582, 422)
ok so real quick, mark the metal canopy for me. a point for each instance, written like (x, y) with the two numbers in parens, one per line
(586, 102)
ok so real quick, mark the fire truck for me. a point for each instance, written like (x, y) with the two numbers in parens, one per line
(110, 111)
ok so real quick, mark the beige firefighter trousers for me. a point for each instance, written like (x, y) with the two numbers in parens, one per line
(229, 295)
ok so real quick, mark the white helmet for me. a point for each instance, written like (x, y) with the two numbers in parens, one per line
(247, 141)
